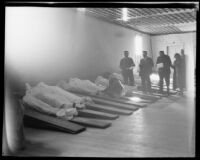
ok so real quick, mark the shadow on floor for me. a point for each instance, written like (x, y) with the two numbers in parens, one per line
(174, 98)
(35, 149)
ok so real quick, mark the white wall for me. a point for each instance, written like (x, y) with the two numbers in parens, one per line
(50, 44)
(189, 44)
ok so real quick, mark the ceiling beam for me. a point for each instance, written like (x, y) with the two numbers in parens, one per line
(161, 34)
(168, 25)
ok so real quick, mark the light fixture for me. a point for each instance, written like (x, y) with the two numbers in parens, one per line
(81, 9)
(51, 2)
(138, 45)
(125, 14)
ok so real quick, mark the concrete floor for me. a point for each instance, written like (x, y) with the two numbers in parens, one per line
(163, 129)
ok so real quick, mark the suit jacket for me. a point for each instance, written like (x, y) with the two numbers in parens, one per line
(146, 65)
(166, 64)
(126, 62)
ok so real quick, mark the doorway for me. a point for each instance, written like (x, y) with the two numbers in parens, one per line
(171, 50)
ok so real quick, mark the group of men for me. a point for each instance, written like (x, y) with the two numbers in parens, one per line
(146, 65)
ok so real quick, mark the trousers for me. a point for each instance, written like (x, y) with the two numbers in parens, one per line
(166, 77)
(146, 82)
(128, 77)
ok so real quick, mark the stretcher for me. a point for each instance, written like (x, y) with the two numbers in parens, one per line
(110, 103)
(106, 99)
(91, 123)
(125, 101)
(96, 114)
(139, 103)
(57, 122)
(139, 98)
(37, 119)
(135, 98)
(171, 91)
(155, 90)
(115, 104)
(151, 97)
(108, 109)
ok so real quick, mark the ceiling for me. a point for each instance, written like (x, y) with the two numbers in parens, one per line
(151, 21)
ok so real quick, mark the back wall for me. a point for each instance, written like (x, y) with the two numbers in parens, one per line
(50, 44)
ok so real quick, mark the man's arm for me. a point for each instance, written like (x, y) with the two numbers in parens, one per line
(151, 62)
(170, 62)
(132, 62)
(140, 64)
(158, 60)
(121, 64)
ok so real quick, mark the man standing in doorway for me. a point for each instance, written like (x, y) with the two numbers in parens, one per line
(164, 63)
(126, 65)
(146, 65)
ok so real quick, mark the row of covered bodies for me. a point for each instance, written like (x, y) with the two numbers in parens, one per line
(60, 100)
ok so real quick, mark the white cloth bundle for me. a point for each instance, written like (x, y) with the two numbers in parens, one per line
(39, 105)
(79, 85)
(53, 100)
(79, 101)
(43, 107)
(48, 95)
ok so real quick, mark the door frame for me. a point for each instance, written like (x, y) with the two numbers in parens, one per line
(174, 44)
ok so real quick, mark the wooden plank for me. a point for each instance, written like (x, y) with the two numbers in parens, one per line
(123, 101)
(140, 100)
(156, 87)
(118, 102)
(108, 109)
(164, 92)
(56, 123)
(115, 104)
(85, 122)
(96, 114)
(91, 122)
(156, 90)
(140, 94)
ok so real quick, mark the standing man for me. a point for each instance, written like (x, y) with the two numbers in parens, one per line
(126, 65)
(183, 66)
(164, 63)
(146, 65)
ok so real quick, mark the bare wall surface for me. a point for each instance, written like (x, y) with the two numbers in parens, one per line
(50, 44)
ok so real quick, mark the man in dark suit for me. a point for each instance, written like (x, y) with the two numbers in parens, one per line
(146, 65)
(126, 65)
(164, 63)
